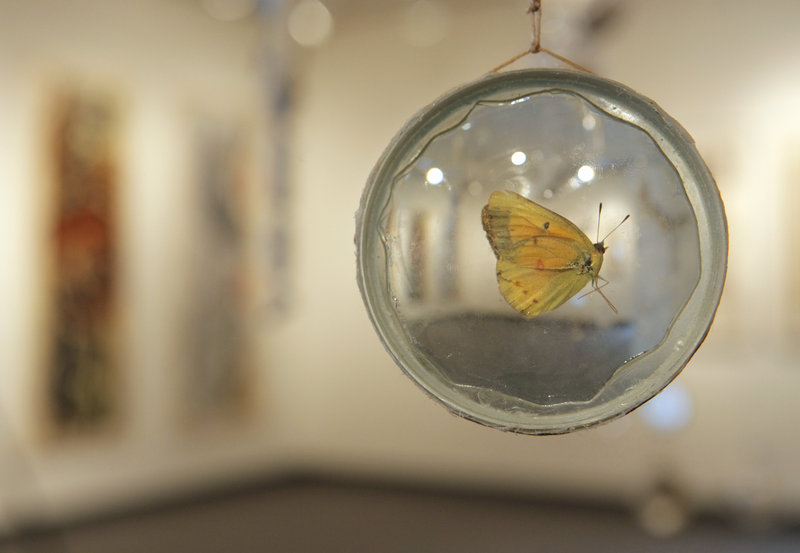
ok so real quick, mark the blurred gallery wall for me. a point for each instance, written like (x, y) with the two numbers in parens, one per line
(179, 182)
(138, 151)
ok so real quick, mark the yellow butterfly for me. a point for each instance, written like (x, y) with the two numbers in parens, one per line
(543, 259)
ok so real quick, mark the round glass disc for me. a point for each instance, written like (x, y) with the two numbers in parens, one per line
(567, 141)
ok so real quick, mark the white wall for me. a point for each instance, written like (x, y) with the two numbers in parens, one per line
(331, 400)
(165, 63)
(721, 69)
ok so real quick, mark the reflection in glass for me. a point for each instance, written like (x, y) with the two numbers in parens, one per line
(560, 150)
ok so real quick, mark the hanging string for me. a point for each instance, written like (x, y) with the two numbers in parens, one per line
(535, 9)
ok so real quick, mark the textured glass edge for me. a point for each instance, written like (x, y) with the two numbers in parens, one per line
(552, 410)
(674, 142)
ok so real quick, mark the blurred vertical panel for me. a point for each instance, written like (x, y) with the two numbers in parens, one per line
(279, 92)
(218, 376)
(80, 379)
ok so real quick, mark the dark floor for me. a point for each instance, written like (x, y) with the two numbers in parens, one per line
(316, 515)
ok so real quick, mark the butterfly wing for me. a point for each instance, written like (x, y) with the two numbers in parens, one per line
(509, 218)
(539, 253)
(539, 274)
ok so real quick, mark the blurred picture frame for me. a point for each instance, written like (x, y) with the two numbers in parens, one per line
(80, 383)
(217, 367)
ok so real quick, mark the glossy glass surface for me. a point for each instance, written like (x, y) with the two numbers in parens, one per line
(568, 141)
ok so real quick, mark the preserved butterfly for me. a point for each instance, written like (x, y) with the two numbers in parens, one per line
(543, 259)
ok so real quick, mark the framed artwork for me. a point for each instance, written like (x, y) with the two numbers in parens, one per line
(218, 344)
(81, 367)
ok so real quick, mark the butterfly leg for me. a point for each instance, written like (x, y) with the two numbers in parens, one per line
(596, 288)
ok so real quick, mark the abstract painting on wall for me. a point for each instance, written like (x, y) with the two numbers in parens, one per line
(80, 378)
(217, 378)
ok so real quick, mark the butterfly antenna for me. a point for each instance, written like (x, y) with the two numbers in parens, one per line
(599, 211)
(628, 216)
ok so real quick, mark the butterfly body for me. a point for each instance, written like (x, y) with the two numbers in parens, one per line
(543, 259)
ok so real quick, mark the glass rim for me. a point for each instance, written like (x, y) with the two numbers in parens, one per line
(691, 324)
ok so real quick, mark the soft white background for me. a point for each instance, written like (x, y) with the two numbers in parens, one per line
(329, 398)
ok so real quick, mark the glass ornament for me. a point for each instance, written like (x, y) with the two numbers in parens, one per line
(567, 140)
